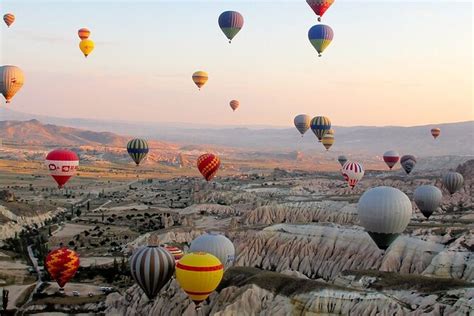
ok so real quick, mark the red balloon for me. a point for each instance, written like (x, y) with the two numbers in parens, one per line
(62, 264)
(320, 6)
(435, 132)
(208, 164)
(62, 165)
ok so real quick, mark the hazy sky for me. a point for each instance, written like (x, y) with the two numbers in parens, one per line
(390, 63)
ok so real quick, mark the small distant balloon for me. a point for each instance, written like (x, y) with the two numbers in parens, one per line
(342, 160)
(408, 162)
(231, 22)
(328, 140)
(62, 165)
(234, 104)
(428, 198)
(352, 173)
(208, 164)
(453, 181)
(319, 6)
(200, 78)
(435, 132)
(84, 33)
(320, 125)
(86, 46)
(302, 123)
(320, 36)
(9, 18)
(391, 158)
(137, 149)
(11, 81)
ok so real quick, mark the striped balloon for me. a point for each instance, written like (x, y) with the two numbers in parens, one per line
(231, 22)
(352, 173)
(427, 198)
(200, 78)
(319, 6)
(320, 36)
(11, 81)
(391, 158)
(9, 18)
(62, 264)
(435, 132)
(302, 123)
(408, 162)
(453, 181)
(175, 252)
(234, 104)
(137, 149)
(151, 267)
(320, 125)
(83, 33)
(328, 140)
(199, 274)
(208, 164)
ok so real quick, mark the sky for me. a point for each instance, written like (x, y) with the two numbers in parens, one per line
(391, 62)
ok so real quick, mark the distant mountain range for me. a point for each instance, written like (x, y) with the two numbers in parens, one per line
(456, 138)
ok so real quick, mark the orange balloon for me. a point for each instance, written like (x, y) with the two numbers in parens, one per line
(62, 264)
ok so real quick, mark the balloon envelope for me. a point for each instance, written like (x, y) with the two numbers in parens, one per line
(320, 125)
(200, 78)
(328, 140)
(453, 181)
(384, 212)
(352, 172)
(231, 22)
(199, 274)
(9, 18)
(435, 132)
(217, 245)
(342, 160)
(302, 123)
(152, 267)
(83, 33)
(234, 104)
(391, 158)
(408, 162)
(137, 149)
(11, 81)
(86, 46)
(62, 265)
(428, 198)
(175, 252)
(319, 6)
(208, 164)
(62, 165)
(320, 36)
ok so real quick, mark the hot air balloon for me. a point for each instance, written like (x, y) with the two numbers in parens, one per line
(217, 245)
(320, 36)
(427, 198)
(391, 158)
(319, 6)
(453, 181)
(352, 173)
(175, 252)
(435, 132)
(61, 265)
(86, 46)
(231, 22)
(328, 140)
(302, 123)
(234, 104)
(9, 18)
(208, 164)
(320, 125)
(385, 213)
(11, 81)
(199, 274)
(137, 149)
(342, 160)
(408, 162)
(62, 165)
(151, 267)
(83, 33)
(200, 78)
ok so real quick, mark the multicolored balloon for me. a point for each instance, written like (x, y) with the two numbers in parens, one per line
(175, 252)
(62, 165)
(328, 140)
(352, 173)
(208, 164)
(62, 265)
(391, 158)
(231, 22)
(302, 123)
(137, 149)
(84, 33)
(11, 81)
(320, 36)
(200, 78)
(319, 6)
(320, 125)
(435, 132)
(9, 18)
(152, 267)
(453, 181)
(408, 162)
(217, 245)
(342, 160)
(385, 213)
(234, 104)
(86, 46)
(428, 198)
(199, 274)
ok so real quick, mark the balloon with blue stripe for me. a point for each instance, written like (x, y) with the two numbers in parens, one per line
(320, 36)
(320, 125)
(137, 149)
(231, 22)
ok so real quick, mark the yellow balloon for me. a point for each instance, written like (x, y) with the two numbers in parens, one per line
(200, 78)
(86, 46)
(328, 140)
(199, 274)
